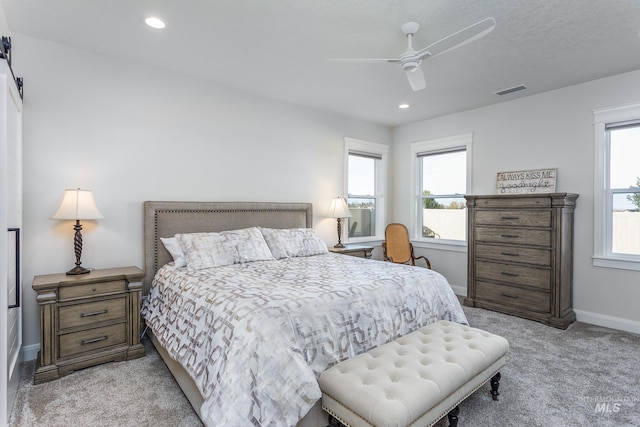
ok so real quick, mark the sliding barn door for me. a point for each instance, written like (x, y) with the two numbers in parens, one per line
(11, 227)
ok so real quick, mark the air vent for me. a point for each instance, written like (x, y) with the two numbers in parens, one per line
(511, 90)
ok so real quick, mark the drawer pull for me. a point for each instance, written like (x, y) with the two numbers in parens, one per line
(510, 236)
(94, 313)
(511, 218)
(91, 341)
(506, 273)
(504, 294)
(510, 254)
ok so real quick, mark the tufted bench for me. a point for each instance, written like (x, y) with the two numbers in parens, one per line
(414, 380)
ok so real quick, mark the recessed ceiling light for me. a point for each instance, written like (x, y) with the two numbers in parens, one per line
(154, 22)
(404, 106)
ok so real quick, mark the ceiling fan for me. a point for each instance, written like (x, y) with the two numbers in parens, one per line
(411, 59)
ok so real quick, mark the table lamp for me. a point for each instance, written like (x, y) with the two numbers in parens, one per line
(77, 205)
(339, 210)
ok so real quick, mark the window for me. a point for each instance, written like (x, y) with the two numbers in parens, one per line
(617, 188)
(366, 164)
(442, 179)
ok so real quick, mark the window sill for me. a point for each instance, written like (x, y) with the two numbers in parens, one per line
(442, 245)
(373, 241)
(618, 263)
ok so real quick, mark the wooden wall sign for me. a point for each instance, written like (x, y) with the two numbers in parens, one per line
(527, 182)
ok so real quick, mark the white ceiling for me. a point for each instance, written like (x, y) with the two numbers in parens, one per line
(279, 48)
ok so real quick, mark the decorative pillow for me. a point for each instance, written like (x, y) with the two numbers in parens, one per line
(207, 250)
(294, 242)
(174, 249)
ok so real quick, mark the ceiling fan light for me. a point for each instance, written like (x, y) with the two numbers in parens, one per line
(411, 66)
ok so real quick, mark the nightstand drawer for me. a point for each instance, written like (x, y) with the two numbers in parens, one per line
(92, 289)
(516, 274)
(92, 312)
(509, 295)
(540, 257)
(514, 217)
(92, 339)
(518, 236)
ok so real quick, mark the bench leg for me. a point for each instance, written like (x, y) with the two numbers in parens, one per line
(495, 383)
(453, 416)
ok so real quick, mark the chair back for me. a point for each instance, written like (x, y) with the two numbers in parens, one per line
(397, 244)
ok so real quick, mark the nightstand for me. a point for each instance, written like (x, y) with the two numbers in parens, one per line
(360, 251)
(88, 319)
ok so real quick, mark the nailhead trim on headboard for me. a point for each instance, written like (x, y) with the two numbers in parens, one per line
(212, 216)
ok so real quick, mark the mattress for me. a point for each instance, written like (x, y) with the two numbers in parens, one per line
(255, 336)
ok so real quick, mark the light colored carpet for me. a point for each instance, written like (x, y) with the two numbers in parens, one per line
(139, 392)
(583, 376)
(558, 378)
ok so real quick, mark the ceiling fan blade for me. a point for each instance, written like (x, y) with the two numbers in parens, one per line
(457, 39)
(416, 79)
(364, 60)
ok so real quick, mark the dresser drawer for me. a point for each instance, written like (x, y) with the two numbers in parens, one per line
(92, 339)
(513, 202)
(516, 274)
(541, 257)
(518, 236)
(517, 297)
(514, 217)
(92, 289)
(89, 313)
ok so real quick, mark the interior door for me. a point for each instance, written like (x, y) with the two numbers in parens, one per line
(10, 242)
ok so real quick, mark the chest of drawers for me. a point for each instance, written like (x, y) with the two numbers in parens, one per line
(87, 319)
(520, 255)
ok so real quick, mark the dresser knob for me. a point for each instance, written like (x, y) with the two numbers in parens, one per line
(94, 289)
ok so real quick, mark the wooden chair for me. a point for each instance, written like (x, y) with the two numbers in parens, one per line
(397, 247)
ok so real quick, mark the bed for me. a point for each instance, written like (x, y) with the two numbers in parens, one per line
(246, 341)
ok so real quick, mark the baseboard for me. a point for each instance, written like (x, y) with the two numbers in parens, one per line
(461, 291)
(29, 352)
(584, 316)
(608, 321)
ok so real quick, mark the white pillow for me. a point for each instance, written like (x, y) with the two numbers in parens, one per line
(207, 250)
(174, 249)
(293, 242)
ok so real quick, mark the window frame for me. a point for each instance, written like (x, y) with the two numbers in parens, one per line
(373, 149)
(450, 143)
(602, 193)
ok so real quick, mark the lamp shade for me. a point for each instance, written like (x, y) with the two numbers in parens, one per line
(77, 204)
(339, 209)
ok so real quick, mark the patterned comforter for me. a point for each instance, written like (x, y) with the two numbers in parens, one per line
(255, 336)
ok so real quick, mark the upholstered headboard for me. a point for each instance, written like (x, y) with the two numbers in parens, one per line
(165, 219)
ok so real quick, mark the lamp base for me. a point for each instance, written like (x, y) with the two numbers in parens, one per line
(77, 270)
(338, 245)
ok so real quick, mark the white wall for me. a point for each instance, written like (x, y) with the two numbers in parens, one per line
(553, 129)
(132, 133)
